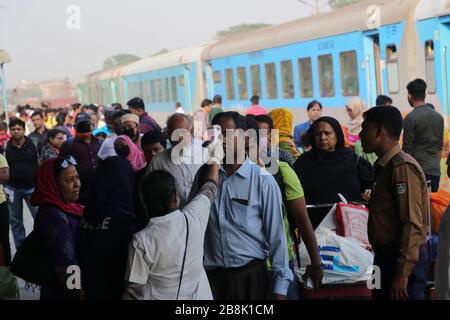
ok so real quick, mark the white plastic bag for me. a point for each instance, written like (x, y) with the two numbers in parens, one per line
(344, 259)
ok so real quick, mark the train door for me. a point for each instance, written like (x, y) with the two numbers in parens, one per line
(113, 91)
(186, 82)
(372, 63)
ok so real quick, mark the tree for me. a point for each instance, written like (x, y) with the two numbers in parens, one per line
(242, 28)
(119, 60)
(162, 51)
(335, 4)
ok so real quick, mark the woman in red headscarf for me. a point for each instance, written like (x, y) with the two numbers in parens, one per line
(57, 190)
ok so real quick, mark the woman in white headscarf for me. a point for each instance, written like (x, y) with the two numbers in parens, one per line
(355, 109)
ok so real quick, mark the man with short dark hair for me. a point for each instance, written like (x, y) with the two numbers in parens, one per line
(22, 158)
(423, 136)
(152, 143)
(179, 108)
(185, 157)
(398, 208)
(84, 148)
(217, 107)
(146, 122)
(245, 225)
(39, 135)
(384, 101)
(117, 106)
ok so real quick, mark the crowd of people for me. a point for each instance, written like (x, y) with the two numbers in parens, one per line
(147, 212)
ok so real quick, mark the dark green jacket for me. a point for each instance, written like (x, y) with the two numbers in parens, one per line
(423, 138)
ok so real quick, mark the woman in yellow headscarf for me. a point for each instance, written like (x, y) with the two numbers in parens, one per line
(282, 121)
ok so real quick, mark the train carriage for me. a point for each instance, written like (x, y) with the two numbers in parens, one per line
(432, 52)
(370, 48)
(163, 80)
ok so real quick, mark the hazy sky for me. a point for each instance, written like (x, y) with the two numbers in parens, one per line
(35, 32)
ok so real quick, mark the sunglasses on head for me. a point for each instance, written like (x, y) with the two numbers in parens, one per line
(67, 161)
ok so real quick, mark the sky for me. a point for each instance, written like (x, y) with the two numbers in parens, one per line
(42, 46)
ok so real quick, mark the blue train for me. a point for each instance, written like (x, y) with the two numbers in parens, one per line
(370, 48)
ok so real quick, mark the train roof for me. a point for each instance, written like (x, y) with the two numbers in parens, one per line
(348, 19)
(111, 73)
(432, 8)
(166, 60)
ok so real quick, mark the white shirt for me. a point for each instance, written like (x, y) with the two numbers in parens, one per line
(156, 254)
(107, 149)
(180, 110)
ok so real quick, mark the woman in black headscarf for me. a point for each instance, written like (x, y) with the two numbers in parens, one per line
(329, 168)
(106, 230)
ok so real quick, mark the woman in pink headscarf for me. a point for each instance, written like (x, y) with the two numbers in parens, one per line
(128, 149)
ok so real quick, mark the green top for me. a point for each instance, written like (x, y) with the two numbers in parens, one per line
(293, 191)
(214, 111)
(371, 157)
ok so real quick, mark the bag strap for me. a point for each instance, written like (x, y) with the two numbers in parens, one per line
(184, 256)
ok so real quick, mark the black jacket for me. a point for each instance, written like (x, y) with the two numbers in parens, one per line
(22, 163)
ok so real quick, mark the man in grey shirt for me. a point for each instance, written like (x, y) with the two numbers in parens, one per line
(184, 159)
(423, 136)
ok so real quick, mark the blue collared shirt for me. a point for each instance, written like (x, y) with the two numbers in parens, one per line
(246, 223)
(299, 130)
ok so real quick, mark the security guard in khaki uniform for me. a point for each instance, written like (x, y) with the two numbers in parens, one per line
(398, 208)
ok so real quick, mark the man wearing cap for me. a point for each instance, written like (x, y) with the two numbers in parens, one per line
(84, 148)
(146, 122)
(130, 127)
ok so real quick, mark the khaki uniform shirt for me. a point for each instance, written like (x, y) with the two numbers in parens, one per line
(398, 208)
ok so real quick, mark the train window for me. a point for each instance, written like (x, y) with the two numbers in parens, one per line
(326, 76)
(181, 81)
(349, 73)
(173, 85)
(287, 79)
(392, 68)
(242, 83)
(140, 86)
(166, 90)
(130, 90)
(217, 76)
(306, 78)
(255, 77)
(271, 81)
(229, 77)
(153, 91)
(430, 66)
(146, 97)
(159, 92)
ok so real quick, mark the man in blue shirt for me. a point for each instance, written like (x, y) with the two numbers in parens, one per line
(314, 110)
(245, 226)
